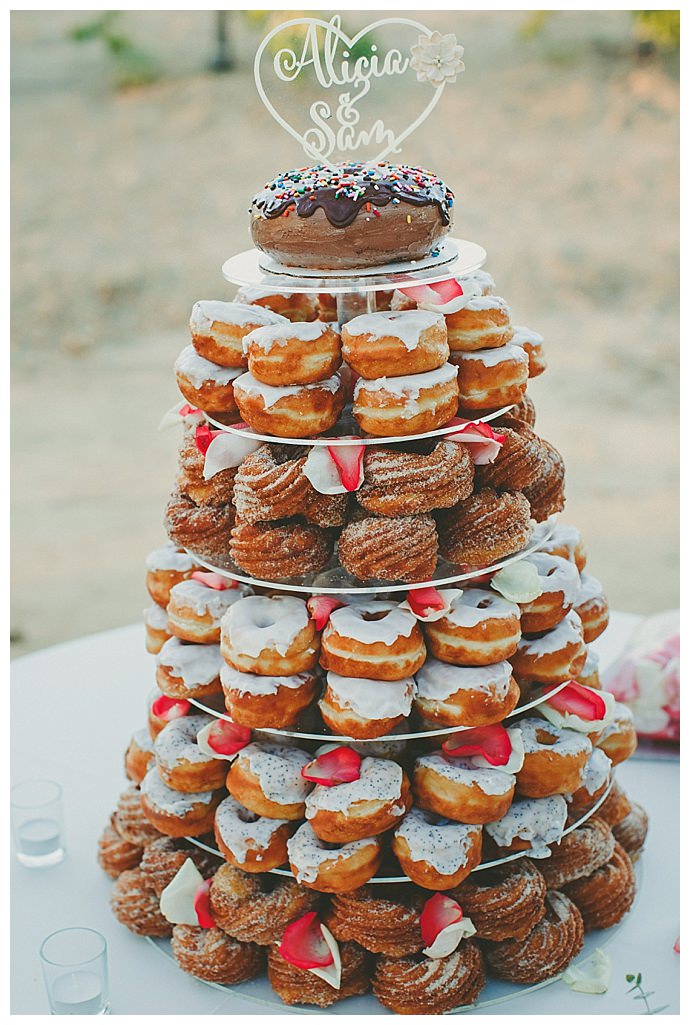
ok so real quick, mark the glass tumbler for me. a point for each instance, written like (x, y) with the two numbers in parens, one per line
(37, 823)
(75, 971)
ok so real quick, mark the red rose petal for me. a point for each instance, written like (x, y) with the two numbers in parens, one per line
(214, 580)
(341, 765)
(226, 738)
(676, 946)
(170, 708)
(437, 914)
(492, 742)
(303, 944)
(447, 290)
(420, 293)
(204, 436)
(588, 704)
(423, 600)
(188, 410)
(320, 607)
(348, 459)
(202, 906)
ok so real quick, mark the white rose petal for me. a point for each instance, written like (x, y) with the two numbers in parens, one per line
(177, 899)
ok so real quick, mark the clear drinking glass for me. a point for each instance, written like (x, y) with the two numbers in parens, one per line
(75, 971)
(37, 823)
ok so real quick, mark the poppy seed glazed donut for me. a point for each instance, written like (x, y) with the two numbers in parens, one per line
(350, 215)
(391, 344)
(398, 482)
(485, 527)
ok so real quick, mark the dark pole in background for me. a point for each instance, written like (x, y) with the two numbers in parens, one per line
(222, 60)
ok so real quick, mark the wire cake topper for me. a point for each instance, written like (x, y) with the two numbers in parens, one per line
(344, 70)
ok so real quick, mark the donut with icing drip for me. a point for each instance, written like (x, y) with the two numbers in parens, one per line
(165, 567)
(181, 763)
(365, 708)
(456, 789)
(595, 779)
(331, 868)
(592, 607)
(434, 852)
(138, 756)
(188, 670)
(205, 384)
(351, 215)
(477, 322)
(589, 674)
(267, 779)
(619, 739)
(288, 354)
(565, 541)
(370, 805)
(533, 344)
(560, 584)
(491, 378)
(450, 695)
(267, 701)
(530, 824)
(555, 656)
(195, 610)
(290, 411)
(392, 344)
(480, 628)
(176, 813)
(156, 628)
(249, 841)
(411, 404)
(296, 306)
(372, 639)
(555, 759)
(269, 636)
(218, 329)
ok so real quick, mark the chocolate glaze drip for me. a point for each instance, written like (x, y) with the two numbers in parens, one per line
(341, 191)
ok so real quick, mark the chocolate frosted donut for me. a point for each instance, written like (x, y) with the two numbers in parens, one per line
(485, 527)
(504, 902)
(521, 460)
(404, 481)
(276, 551)
(204, 529)
(547, 950)
(351, 215)
(381, 548)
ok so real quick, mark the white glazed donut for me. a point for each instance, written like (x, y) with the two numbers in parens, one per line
(461, 791)
(555, 759)
(165, 567)
(175, 813)
(372, 639)
(619, 737)
(269, 636)
(436, 853)
(560, 582)
(530, 824)
(477, 322)
(565, 541)
(533, 344)
(188, 670)
(266, 701)
(479, 628)
(181, 763)
(491, 378)
(595, 780)
(290, 411)
(332, 869)
(592, 607)
(366, 807)
(288, 354)
(589, 674)
(195, 610)
(248, 841)
(449, 695)
(267, 779)
(217, 329)
(411, 404)
(555, 657)
(392, 344)
(296, 306)
(205, 384)
(363, 708)
(156, 627)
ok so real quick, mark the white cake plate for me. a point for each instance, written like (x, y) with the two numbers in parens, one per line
(453, 258)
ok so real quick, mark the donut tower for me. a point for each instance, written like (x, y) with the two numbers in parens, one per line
(378, 758)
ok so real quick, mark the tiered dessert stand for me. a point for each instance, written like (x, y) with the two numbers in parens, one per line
(356, 293)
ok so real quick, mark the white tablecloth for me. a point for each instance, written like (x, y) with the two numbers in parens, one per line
(74, 707)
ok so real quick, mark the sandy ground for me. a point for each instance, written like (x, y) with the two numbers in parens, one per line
(563, 153)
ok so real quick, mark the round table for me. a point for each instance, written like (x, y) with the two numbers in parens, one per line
(74, 707)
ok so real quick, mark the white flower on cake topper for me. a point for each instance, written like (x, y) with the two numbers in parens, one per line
(437, 59)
